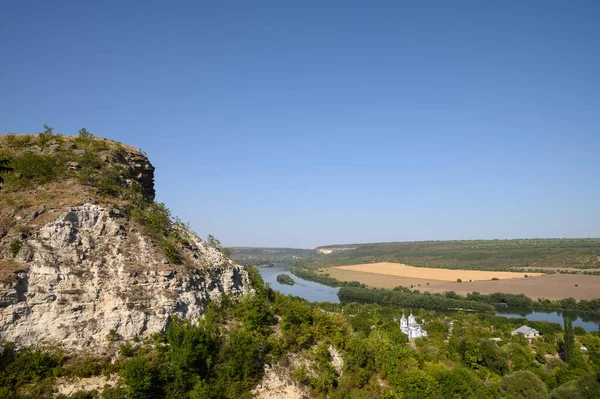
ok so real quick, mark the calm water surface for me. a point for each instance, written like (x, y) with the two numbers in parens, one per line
(308, 290)
(315, 292)
(587, 321)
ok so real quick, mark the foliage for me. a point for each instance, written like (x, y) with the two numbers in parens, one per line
(34, 168)
(493, 357)
(404, 297)
(137, 374)
(4, 168)
(171, 251)
(524, 384)
(113, 335)
(285, 279)
(154, 217)
(211, 241)
(586, 388)
(15, 247)
(28, 366)
(569, 341)
(223, 355)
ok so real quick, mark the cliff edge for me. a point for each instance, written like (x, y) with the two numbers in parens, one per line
(87, 258)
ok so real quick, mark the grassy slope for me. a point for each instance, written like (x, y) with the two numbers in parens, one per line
(43, 185)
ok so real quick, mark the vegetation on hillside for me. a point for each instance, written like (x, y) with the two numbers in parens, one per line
(4, 168)
(96, 168)
(224, 354)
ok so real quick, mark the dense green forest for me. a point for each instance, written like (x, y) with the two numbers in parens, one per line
(406, 298)
(581, 253)
(402, 296)
(224, 355)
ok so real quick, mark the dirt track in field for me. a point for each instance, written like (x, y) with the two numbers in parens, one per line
(554, 286)
(428, 273)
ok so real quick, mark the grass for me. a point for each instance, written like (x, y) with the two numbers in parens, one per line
(8, 268)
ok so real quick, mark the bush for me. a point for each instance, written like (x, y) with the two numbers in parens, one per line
(138, 377)
(87, 367)
(30, 366)
(18, 141)
(524, 384)
(126, 350)
(155, 219)
(171, 252)
(15, 247)
(35, 169)
(113, 335)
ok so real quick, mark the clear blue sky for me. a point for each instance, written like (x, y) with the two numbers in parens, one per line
(318, 122)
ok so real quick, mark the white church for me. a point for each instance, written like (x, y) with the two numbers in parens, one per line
(411, 328)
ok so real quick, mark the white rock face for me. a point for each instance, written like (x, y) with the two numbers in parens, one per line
(90, 272)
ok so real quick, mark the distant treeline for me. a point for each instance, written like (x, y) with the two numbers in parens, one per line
(522, 301)
(405, 298)
(580, 253)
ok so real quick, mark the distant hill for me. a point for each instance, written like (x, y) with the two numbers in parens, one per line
(257, 256)
(579, 253)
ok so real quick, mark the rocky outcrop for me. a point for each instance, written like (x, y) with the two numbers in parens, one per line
(91, 277)
(140, 169)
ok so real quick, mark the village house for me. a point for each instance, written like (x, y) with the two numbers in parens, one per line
(527, 332)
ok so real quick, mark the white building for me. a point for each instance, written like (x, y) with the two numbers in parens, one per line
(411, 328)
(527, 332)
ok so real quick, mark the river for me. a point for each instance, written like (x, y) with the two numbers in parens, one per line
(315, 292)
(589, 322)
(309, 290)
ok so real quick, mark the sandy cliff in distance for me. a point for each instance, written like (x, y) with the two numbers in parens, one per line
(87, 257)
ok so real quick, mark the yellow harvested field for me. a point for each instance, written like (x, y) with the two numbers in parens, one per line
(427, 273)
(378, 280)
(554, 286)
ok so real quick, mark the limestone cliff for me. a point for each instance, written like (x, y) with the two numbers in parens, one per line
(79, 270)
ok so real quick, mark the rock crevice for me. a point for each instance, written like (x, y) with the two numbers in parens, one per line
(89, 278)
